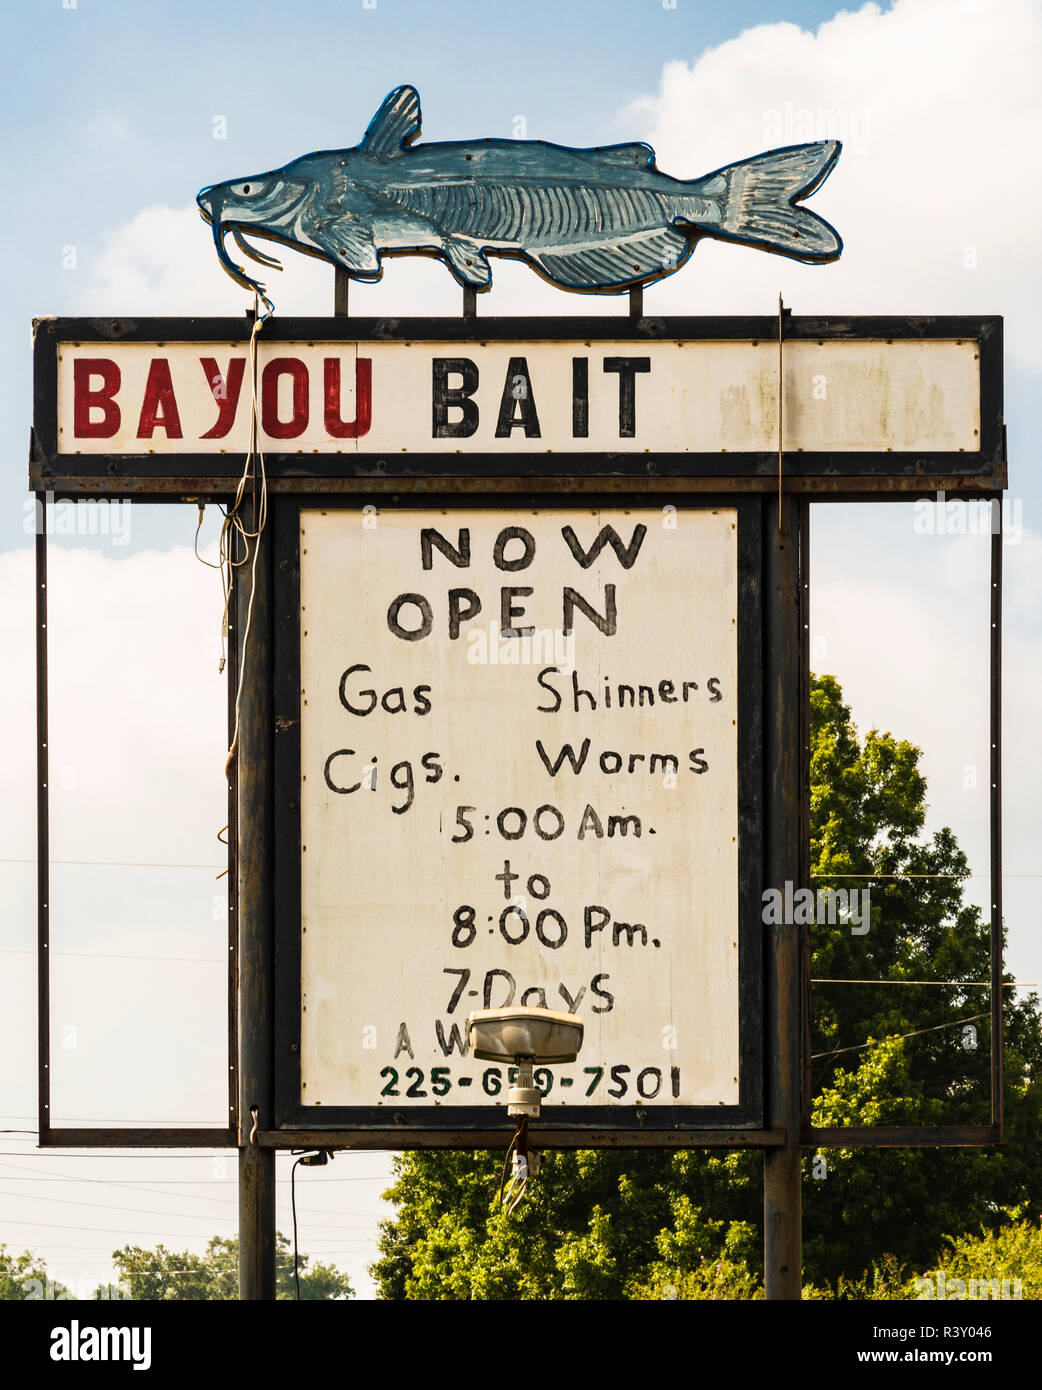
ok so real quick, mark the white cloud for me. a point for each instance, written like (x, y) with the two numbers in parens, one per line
(936, 193)
(137, 748)
(902, 620)
(163, 263)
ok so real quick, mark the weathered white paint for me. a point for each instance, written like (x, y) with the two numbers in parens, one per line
(703, 397)
(379, 889)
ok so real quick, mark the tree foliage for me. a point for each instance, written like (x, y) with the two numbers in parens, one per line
(25, 1277)
(178, 1276)
(614, 1224)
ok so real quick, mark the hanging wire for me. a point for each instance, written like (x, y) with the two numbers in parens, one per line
(781, 386)
(234, 535)
(314, 1158)
(293, 1204)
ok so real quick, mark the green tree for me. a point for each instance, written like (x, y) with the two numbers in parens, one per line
(178, 1276)
(615, 1224)
(25, 1276)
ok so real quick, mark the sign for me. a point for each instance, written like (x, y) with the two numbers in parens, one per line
(519, 398)
(629, 770)
(519, 784)
(164, 406)
(600, 219)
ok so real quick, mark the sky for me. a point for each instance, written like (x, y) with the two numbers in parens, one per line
(146, 101)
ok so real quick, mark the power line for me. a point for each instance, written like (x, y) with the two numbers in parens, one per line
(114, 864)
(331, 1218)
(140, 1184)
(110, 1206)
(119, 1155)
(180, 1215)
(174, 1235)
(897, 1037)
(130, 1186)
(112, 955)
(866, 874)
(963, 984)
(122, 1155)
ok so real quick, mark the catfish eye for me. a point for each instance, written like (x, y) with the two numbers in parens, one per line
(245, 188)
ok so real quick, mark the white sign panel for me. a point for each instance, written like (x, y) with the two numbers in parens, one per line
(519, 752)
(530, 397)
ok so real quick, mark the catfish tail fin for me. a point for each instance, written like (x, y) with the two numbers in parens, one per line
(758, 206)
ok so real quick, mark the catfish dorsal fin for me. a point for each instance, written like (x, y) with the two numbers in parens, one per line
(395, 124)
(638, 155)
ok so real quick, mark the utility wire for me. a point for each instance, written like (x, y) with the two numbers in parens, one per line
(963, 984)
(897, 1037)
(115, 955)
(136, 1184)
(112, 864)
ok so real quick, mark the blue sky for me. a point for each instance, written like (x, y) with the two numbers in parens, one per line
(108, 111)
(133, 88)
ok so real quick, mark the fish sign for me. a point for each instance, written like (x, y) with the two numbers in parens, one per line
(596, 221)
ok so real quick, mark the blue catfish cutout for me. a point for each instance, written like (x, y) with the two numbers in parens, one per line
(598, 221)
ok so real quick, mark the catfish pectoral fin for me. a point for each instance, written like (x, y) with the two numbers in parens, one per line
(466, 262)
(352, 247)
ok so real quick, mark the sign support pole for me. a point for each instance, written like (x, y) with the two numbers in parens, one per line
(783, 764)
(256, 914)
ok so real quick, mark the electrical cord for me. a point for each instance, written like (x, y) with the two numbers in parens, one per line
(314, 1159)
(233, 529)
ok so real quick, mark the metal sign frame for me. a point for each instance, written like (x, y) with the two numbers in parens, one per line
(261, 958)
(410, 1125)
(850, 475)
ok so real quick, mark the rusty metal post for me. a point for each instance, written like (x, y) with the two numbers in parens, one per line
(43, 850)
(783, 779)
(255, 837)
(997, 1044)
(341, 293)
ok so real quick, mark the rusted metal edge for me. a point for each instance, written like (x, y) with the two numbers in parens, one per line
(43, 859)
(51, 329)
(255, 831)
(882, 1136)
(500, 1138)
(783, 696)
(187, 488)
(997, 1055)
(902, 1137)
(87, 1138)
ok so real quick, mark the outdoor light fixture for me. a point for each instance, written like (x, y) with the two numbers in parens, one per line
(527, 1037)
